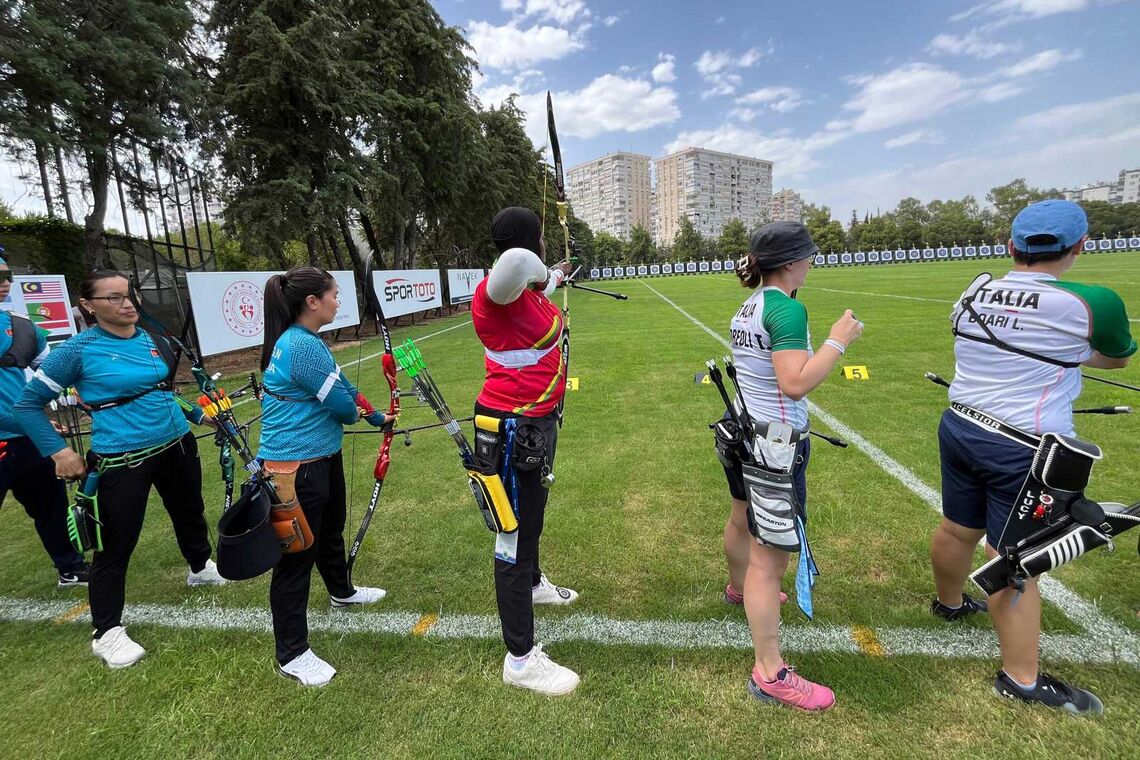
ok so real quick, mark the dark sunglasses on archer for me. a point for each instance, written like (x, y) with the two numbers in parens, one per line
(5, 275)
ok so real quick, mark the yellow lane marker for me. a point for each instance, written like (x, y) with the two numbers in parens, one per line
(866, 641)
(72, 614)
(425, 623)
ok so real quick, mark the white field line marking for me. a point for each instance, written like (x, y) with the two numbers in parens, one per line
(1075, 608)
(944, 641)
(876, 295)
(363, 359)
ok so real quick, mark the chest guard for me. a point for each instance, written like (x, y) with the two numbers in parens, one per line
(23, 349)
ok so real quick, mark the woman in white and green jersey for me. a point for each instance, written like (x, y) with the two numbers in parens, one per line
(777, 368)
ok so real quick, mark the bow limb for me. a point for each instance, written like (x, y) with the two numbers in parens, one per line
(563, 214)
(383, 455)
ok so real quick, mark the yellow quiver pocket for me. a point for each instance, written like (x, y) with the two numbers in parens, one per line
(483, 478)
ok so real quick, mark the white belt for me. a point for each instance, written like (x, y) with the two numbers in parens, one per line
(519, 357)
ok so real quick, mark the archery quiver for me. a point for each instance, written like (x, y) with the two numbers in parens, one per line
(483, 476)
(287, 516)
(1052, 522)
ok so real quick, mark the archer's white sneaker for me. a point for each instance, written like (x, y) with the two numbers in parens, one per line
(117, 649)
(309, 669)
(363, 595)
(537, 672)
(207, 576)
(547, 593)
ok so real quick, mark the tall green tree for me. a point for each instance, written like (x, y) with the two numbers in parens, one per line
(687, 244)
(641, 249)
(87, 76)
(1008, 200)
(826, 232)
(911, 217)
(609, 249)
(421, 129)
(733, 240)
(288, 101)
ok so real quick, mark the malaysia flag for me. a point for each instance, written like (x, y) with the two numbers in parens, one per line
(36, 291)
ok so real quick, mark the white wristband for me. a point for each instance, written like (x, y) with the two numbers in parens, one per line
(842, 349)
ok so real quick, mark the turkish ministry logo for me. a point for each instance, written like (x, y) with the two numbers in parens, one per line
(242, 308)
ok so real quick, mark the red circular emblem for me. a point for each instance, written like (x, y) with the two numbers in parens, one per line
(242, 308)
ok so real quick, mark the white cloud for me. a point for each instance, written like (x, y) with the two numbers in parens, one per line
(913, 92)
(1043, 61)
(1062, 146)
(1014, 9)
(792, 156)
(971, 43)
(1116, 113)
(560, 11)
(610, 103)
(719, 68)
(664, 70)
(779, 99)
(510, 47)
(917, 137)
(611, 20)
(999, 92)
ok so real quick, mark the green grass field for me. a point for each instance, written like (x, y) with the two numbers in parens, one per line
(634, 524)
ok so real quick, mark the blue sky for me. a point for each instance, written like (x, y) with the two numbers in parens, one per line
(858, 104)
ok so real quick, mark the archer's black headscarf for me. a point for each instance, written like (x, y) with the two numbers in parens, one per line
(517, 227)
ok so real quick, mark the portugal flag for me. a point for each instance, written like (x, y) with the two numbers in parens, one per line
(51, 315)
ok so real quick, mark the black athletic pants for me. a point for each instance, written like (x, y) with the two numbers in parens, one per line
(30, 476)
(320, 490)
(123, 492)
(514, 584)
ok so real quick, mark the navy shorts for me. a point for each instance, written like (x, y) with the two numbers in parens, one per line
(982, 475)
(735, 475)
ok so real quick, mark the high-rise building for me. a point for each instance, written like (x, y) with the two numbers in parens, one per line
(1129, 184)
(711, 189)
(612, 193)
(1126, 189)
(787, 205)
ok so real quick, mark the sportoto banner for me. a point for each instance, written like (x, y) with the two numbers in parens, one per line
(43, 299)
(229, 308)
(460, 285)
(406, 291)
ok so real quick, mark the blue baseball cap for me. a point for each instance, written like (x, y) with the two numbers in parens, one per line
(1054, 225)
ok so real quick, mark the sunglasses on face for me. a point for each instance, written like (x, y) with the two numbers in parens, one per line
(6, 275)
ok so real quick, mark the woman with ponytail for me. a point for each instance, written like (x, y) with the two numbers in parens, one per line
(140, 440)
(776, 368)
(308, 401)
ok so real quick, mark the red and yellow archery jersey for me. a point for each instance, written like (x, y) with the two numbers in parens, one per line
(525, 373)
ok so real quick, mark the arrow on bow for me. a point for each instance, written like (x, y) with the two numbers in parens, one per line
(383, 456)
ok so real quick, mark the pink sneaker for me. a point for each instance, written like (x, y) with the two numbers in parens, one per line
(792, 690)
(732, 596)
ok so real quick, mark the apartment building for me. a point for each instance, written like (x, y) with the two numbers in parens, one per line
(710, 188)
(1126, 189)
(788, 206)
(612, 193)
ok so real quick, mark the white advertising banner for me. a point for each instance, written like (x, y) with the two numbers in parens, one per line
(229, 308)
(406, 291)
(460, 285)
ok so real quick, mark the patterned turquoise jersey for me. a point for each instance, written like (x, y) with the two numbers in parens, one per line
(308, 400)
(104, 367)
(13, 379)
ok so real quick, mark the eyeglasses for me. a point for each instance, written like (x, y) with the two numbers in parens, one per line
(115, 300)
(6, 275)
